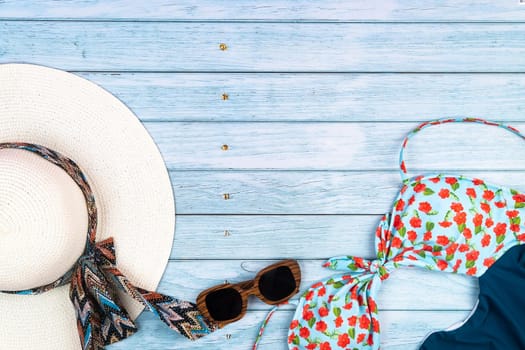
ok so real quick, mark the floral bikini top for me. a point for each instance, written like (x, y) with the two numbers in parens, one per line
(438, 222)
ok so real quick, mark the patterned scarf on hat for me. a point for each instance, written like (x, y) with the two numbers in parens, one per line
(95, 279)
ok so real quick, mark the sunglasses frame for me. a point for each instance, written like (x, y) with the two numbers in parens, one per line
(250, 287)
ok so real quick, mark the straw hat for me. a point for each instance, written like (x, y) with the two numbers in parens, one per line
(43, 216)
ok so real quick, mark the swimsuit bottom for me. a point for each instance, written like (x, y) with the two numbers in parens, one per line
(498, 322)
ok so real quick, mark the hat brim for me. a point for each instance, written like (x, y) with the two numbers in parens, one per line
(125, 169)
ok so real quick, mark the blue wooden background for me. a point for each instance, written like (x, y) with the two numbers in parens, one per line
(313, 99)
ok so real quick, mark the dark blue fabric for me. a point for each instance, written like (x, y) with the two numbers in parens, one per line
(499, 320)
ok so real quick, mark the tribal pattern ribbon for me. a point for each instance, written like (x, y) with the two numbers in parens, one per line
(95, 279)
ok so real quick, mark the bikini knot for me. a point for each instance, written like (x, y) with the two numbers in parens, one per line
(359, 266)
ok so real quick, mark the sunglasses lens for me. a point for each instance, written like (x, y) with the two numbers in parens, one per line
(277, 284)
(224, 304)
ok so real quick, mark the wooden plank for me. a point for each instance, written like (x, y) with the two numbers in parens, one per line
(401, 330)
(406, 288)
(255, 237)
(336, 146)
(274, 237)
(289, 47)
(300, 192)
(315, 97)
(360, 10)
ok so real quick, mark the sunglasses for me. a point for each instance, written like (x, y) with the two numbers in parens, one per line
(227, 303)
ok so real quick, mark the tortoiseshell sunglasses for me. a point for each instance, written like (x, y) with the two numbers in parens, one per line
(227, 303)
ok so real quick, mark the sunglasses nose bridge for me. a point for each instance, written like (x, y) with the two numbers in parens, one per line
(247, 286)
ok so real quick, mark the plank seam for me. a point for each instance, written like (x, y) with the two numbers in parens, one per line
(254, 21)
(189, 71)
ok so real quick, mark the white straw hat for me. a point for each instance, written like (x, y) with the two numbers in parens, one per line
(43, 218)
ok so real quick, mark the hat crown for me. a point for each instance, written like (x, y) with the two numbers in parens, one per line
(43, 221)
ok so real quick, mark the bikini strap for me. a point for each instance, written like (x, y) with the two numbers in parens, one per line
(264, 323)
(402, 163)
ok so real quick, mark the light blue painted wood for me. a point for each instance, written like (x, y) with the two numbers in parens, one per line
(316, 97)
(401, 330)
(406, 288)
(256, 237)
(299, 143)
(336, 146)
(339, 47)
(339, 10)
(300, 192)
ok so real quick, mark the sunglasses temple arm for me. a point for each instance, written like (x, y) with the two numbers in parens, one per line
(267, 319)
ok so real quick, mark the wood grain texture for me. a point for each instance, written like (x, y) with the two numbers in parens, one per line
(288, 47)
(406, 288)
(250, 287)
(276, 237)
(401, 330)
(315, 97)
(320, 95)
(300, 192)
(338, 10)
(256, 237)
(337, 146)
